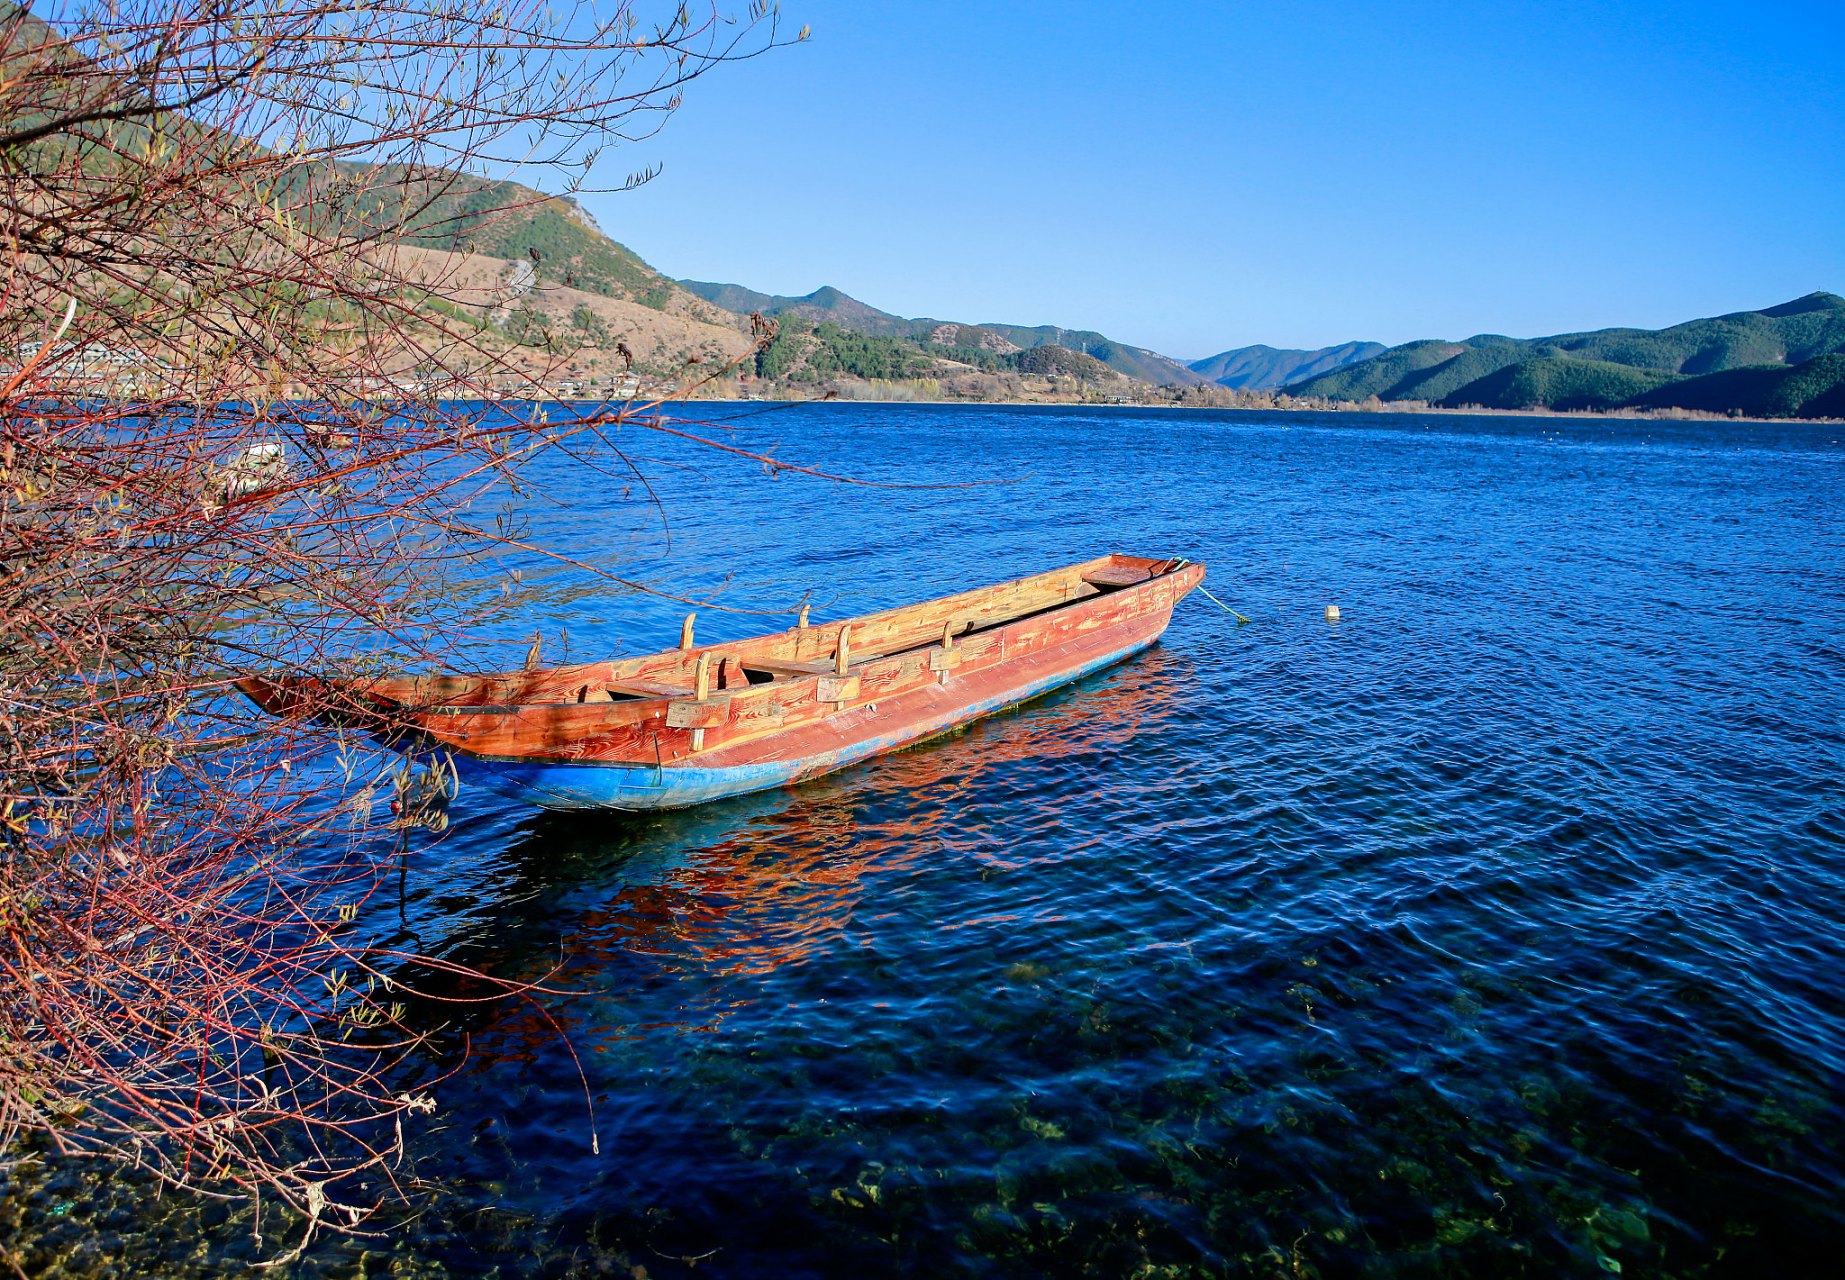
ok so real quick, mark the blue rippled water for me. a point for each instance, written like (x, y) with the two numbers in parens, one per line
(1494, 929)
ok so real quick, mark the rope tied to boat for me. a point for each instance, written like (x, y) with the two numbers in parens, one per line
(1180, 563)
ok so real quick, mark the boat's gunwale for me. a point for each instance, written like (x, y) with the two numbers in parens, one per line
(1158, 570)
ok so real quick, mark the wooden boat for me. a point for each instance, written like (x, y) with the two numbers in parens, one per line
(699, 723)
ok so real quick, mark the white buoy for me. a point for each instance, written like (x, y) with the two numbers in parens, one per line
(1332, 613)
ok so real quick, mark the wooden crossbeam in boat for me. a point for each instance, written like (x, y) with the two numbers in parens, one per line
(647, 689)
(788, 667)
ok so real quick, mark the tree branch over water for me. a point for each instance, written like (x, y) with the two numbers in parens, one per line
(255, 444)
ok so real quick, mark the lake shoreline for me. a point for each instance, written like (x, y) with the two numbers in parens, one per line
(1382, 408)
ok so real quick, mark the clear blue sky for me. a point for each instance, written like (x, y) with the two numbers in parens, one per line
(1198, 176)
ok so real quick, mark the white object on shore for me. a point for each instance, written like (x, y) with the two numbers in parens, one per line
(257, 467)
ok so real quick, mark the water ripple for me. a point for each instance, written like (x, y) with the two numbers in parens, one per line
(1495, 929)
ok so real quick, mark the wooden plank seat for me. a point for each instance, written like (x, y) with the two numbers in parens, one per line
(1115, 577)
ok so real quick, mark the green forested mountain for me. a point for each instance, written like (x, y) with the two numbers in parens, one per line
(1736, 363)
(1557, 382)
(1813, 389)
(1260, 368)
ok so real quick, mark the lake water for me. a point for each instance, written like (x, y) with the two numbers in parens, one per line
(1497, 928)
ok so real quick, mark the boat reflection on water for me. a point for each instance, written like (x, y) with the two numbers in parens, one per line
(676, 919)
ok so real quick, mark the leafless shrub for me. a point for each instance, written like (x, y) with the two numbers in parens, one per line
(238, 431)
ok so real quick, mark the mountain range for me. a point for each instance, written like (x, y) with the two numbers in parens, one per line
(1780, 361)
(828, 304)
(1244, 369)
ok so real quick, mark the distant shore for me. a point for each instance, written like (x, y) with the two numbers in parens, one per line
(1284, 405)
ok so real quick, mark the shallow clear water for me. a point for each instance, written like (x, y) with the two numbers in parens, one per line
(1493, 929)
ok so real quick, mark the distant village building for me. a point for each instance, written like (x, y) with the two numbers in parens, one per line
(93, 366)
